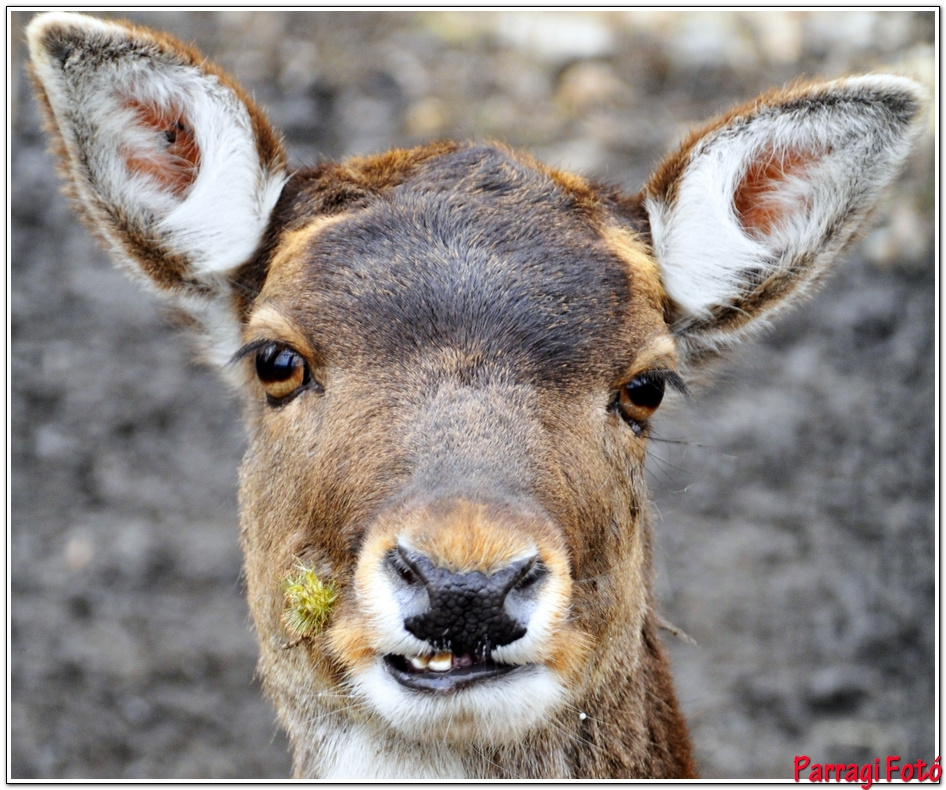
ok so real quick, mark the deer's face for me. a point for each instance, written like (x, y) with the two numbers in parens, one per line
(457, 446)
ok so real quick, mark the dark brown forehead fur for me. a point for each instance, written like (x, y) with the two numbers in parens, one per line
(466, 247)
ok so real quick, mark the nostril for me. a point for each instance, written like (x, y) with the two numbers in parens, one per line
(405, 569)
(531, 574)
(523, 593)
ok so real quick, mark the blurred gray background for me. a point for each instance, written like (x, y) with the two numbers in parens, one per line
(794, 498)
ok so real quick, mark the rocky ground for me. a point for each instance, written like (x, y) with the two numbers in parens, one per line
(795, 497)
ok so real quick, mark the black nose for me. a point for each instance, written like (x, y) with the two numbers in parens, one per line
(465, 613)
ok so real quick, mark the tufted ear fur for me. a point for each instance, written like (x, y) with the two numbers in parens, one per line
(170, 163)
(749, 213)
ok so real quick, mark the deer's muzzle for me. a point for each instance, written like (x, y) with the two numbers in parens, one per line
(456, 596)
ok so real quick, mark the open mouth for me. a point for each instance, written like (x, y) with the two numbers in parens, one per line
(444, 672)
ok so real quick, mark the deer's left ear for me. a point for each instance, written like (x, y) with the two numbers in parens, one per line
(166, 157)
(752, 209)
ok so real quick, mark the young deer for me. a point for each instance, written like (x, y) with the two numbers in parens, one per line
(449, 358)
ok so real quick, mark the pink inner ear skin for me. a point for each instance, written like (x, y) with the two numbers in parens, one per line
(766, 196)
(174, 159)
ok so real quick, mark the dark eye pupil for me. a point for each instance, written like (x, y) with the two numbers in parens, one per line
(647, 393)
(274, 363)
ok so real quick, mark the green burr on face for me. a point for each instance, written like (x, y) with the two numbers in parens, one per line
(309, 602)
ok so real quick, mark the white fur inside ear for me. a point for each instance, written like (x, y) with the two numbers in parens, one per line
(222, 218)
(109, 111)
(699, 244)
(808, 167)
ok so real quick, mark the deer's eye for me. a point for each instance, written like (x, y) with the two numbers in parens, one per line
(639, 398)
(281, 371)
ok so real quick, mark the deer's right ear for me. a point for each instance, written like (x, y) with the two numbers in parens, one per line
(749, 214)
(172, 165)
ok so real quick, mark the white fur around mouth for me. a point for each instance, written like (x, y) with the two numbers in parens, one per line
(486, 702)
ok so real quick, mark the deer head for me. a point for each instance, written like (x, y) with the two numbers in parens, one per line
(449, 359)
